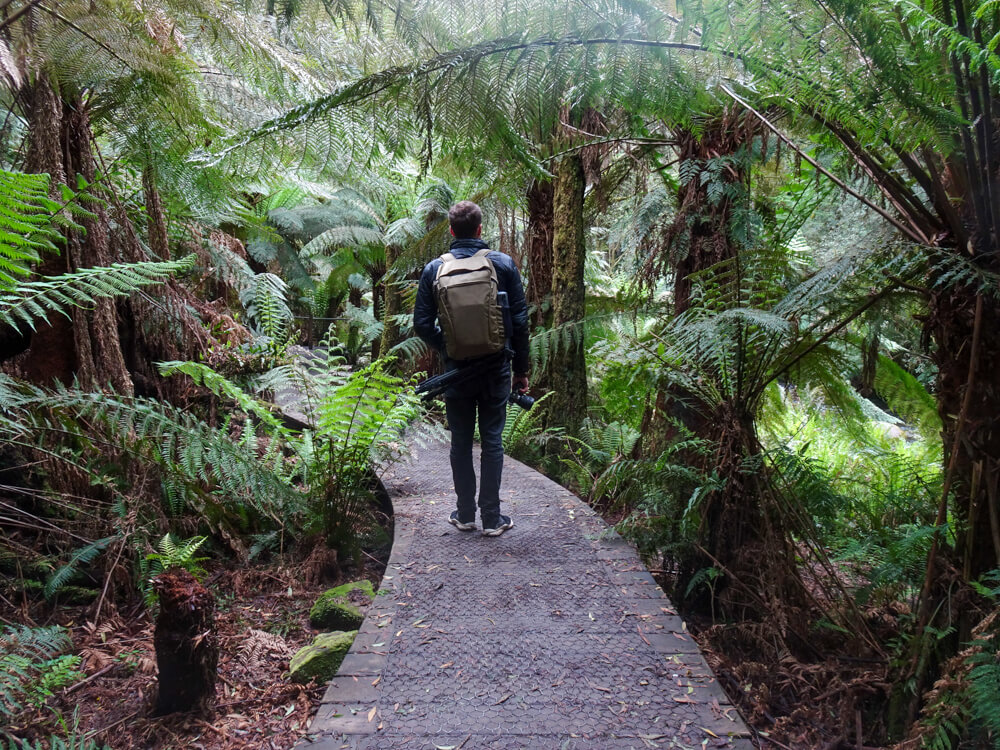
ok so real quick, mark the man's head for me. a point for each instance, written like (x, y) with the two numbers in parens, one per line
(466, 220)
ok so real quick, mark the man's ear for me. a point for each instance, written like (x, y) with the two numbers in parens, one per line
(479, 231)
(451, 231)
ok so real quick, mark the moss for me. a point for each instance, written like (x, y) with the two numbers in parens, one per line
(321, 659)
(332, 615)
(334, 610)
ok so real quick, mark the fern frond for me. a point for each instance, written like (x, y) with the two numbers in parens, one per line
(82, 556)
(31, 301)
(23, 652)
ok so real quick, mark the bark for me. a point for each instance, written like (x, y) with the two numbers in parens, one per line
(567, 368)
(698, 238)
(156, 220)
(187, 649)
(977, 451)
(538, 288)
(88, 348)
(393, 303)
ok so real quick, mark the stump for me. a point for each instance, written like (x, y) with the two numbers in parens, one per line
(187, 650)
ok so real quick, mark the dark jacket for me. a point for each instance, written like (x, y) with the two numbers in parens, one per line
(425, 312)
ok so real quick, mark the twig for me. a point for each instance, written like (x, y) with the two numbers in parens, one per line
(97, 732)
(92, 677)
(775, 742)
(107, 580)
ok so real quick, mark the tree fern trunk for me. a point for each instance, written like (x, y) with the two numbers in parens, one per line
(698, 238)
(187, 648)
(567, 370)
(393, 303)
(977, 452)
(538, 289)
(156, 220)
(88, 349)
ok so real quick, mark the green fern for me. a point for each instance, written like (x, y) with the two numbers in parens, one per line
(82, 556)
(25, 653)
(31, 301)
(173, 553)
(27, 224)
(266, 302)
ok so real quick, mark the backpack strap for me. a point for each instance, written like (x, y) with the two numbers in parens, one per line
(446, 258)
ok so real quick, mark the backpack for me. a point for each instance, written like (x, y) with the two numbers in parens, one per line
(468, 306)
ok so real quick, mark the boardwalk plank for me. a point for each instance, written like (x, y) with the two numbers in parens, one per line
(551, 636)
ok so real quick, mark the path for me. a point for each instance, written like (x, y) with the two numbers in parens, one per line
(552, 636)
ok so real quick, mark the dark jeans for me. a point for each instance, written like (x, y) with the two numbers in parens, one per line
(489, 398)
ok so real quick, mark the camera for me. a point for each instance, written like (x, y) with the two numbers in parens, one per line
(521, 399)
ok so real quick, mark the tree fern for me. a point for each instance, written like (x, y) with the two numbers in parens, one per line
(206, 464)
(265, 299)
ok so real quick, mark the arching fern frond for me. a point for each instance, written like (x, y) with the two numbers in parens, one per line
(31, 301)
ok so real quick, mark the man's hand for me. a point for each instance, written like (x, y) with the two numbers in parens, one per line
(520, 383)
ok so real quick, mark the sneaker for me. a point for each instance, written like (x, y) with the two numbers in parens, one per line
(498, 527)
(461, 525)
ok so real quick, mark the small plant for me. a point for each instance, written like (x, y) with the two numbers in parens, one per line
(173, 554)
(30, 666)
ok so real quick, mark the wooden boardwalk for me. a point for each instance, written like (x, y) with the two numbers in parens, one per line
(553, 636)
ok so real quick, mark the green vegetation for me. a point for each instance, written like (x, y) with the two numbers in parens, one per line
(759, 242)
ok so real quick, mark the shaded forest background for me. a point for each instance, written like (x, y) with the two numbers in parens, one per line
(759, 240)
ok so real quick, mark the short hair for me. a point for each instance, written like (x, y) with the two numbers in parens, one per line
(465, 217)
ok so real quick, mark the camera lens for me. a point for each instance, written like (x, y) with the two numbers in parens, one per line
(522, 399)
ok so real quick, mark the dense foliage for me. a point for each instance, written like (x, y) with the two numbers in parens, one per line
(759, 241)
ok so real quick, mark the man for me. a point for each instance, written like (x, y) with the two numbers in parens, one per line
(486, 394)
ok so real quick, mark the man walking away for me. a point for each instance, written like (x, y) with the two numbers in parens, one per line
(488, 393)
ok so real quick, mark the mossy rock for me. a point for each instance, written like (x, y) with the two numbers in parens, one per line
(334, 609)
(321, 659)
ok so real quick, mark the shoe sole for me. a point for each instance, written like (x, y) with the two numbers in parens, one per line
(462, 526)
(499, 530)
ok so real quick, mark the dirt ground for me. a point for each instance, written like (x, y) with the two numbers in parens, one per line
(262, 619)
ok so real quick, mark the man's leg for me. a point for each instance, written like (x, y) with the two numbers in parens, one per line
(462, 422)
(492, 417)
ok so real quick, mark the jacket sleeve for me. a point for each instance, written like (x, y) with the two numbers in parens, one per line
(425, 311)
(519, 318)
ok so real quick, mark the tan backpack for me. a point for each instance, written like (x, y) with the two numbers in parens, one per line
(470, 316)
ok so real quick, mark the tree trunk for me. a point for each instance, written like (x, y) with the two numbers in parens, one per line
(156, 220)
(88, 350)
(976, 477)
(567, 370)
(393, 302)
(538, 289)
(187, 649)
(698, 238)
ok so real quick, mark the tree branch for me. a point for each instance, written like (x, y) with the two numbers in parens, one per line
(911, 232)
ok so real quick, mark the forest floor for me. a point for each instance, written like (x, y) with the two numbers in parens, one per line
(262, 619)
